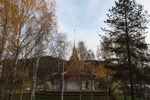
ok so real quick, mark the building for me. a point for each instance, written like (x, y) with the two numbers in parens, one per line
(75, 75)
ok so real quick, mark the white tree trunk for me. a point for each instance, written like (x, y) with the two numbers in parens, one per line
(34, 79)
(62, 92)
(1, 60)
(80, 79)
(21, 89)
(13, 77)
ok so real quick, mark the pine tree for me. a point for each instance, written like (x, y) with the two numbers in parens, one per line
(126, 38)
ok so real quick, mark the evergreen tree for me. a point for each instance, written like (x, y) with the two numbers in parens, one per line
(126, 38)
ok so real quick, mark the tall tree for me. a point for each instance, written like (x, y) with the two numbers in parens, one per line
(44, 27)
(3, 30)
(82, 50)
(98, 53)
(127, 22)
(85, 54)
(90, 55)
(61, 52)
(4, 25)
(106, 54)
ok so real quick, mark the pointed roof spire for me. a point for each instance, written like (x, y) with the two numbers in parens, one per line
(74, 59)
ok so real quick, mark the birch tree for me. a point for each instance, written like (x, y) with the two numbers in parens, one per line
(82, 51)
(21, 23)
(3, 33)
(62, 49)
(45, 26)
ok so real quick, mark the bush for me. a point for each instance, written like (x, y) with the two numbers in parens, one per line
(47, 86)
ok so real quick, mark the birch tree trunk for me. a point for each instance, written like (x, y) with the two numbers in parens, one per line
(80, 79)
(124, 90)
(62, 91)
(3, 41)
(4, 80)
(34, 77)
(13, 78)
(21, 90)
(23, 79)
(61, 52)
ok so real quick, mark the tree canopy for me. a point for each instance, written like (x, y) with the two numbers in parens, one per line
(125, 39)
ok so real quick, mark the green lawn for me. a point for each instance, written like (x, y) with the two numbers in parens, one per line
(120, 97)
(26, 96)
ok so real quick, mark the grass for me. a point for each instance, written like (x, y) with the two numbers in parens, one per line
(26, 96)
(121, 97)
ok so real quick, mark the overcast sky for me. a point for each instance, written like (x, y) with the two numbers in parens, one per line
(86, 17)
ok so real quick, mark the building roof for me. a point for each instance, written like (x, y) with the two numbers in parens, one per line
(74, 62)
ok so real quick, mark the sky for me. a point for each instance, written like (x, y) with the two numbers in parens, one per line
(87, 17)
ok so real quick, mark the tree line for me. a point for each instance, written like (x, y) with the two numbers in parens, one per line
(28, 30)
